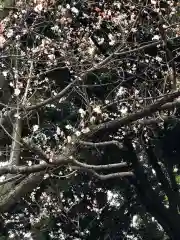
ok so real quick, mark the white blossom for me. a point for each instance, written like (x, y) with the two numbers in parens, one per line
(175, 169)
(156, 37)
(68, 6)
(55, 28)
(51, 56)
(121, 91)
(46, 176)
(69, 139)
(16, 92)
(28, 235)
(68, 127)
(107, 101)
(82, 112)
(74, 10)
(112, 42)
(77, 133)
(10, 33)
(124, 110)
(153, 2)
(158, 59)
(92, 119)
(101, 41)
(29, 163)
(16, 115)
(35, 128)
(5, 73)
(133, 30)
(97, 110)
(62, 133)
(58, 131)
(38, 8)
(136, 92)
(85, 130)
(91, 50)
(112, 198)
(135, 221)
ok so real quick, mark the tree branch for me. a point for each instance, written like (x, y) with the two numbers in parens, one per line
(45, 167)
(15, 148)
(152, 44)
(51, 99)
(147, 111)
(99, 167)
(100, 144)
(107, 176)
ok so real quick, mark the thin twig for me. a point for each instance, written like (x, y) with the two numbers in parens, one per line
(51, 99)
(100, 167)
(100, 144)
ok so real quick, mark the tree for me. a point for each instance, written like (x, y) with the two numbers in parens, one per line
(90, 120)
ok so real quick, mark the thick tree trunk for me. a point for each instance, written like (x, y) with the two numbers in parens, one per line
(150, 199)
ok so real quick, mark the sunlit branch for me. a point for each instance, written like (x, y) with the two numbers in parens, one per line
(100, 167)
(100, 144)
(46, 167)
(147, 111)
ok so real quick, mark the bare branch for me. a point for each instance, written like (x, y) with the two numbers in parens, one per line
(100, 167)
(15, 148)
(100, 144)
(65, 176)
(107, 176)
(32, 169)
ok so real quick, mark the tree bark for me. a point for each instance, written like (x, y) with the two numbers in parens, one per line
(150, 198)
